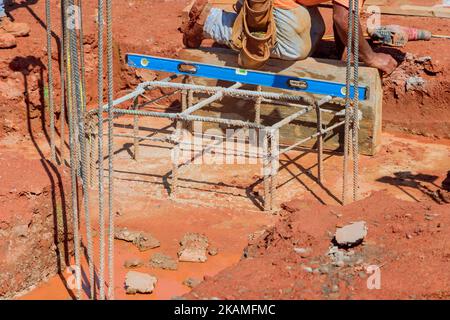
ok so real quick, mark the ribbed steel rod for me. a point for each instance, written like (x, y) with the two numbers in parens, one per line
(205, 102)
(101, 178)
(228, 91)
(110, 77)
(336, 125)
(178, 116)
(50, 80)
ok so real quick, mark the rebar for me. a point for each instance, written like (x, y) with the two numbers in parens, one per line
(175, 157)
(110, 146)
(297, 144)
(258, 106)
(291, 118)
(244, 94)
(274, 139)
(136, 92)
(83, 153)
(217, 96)
(101, 209)
(319, 144)
(62, 116)
(92, 156)
(136, 130)
(50, 80)
(81, 50)
(73, 161)
(178, 116)
(355, 119)
(348, 105)
(266, 171)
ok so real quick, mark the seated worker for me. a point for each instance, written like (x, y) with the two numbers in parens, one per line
(10, 30)
(299, 28)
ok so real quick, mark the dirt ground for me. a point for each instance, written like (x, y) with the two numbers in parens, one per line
(407, 216)
(407, 241)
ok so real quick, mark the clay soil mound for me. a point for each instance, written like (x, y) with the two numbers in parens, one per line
(407, 241)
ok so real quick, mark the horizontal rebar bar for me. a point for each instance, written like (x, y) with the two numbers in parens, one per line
(140, 89)
(220, 91)
(295, 145)
(151, 101)
(156, 139)
(169, 139)
(290, 118)
(205, 102)
(228, 91)
(179, 116)
(295, 105)
(203, 135)
(297, 114)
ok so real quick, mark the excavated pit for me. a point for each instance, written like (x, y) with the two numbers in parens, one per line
(411, 166)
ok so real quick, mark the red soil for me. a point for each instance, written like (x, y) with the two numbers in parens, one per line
(425, 112)
(150, 27)
(408, 241)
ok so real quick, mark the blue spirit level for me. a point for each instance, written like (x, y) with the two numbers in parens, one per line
(265, 79)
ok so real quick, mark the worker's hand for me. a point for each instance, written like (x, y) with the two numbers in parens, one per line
(382, 61)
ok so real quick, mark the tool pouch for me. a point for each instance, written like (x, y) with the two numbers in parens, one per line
(254, 33)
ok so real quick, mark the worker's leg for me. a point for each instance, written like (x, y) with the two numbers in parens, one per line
(299, 31)
(381, 61)
(317, 27)
(2, 9)
(219, 26)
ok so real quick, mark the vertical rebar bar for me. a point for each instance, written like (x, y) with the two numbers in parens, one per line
(176, 148)
(110, 77)
(81, 107)
(136, 129)
(73, 158)
(319, 145)
(92, 155)
(266, 169)
(190, 100)
(348, 106)
(50, 80)
(274, 149)
(62, 116)
(355, 130)
(258, 107)
(82, 60)
(101, 275)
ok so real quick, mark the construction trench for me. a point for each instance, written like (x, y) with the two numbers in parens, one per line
(144, 147)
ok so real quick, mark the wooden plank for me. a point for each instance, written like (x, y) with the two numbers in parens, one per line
(399, 7)
(418, 11)
(408, 8)
(331, 70)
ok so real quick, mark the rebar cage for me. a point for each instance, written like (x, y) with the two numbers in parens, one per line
(270, 134)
